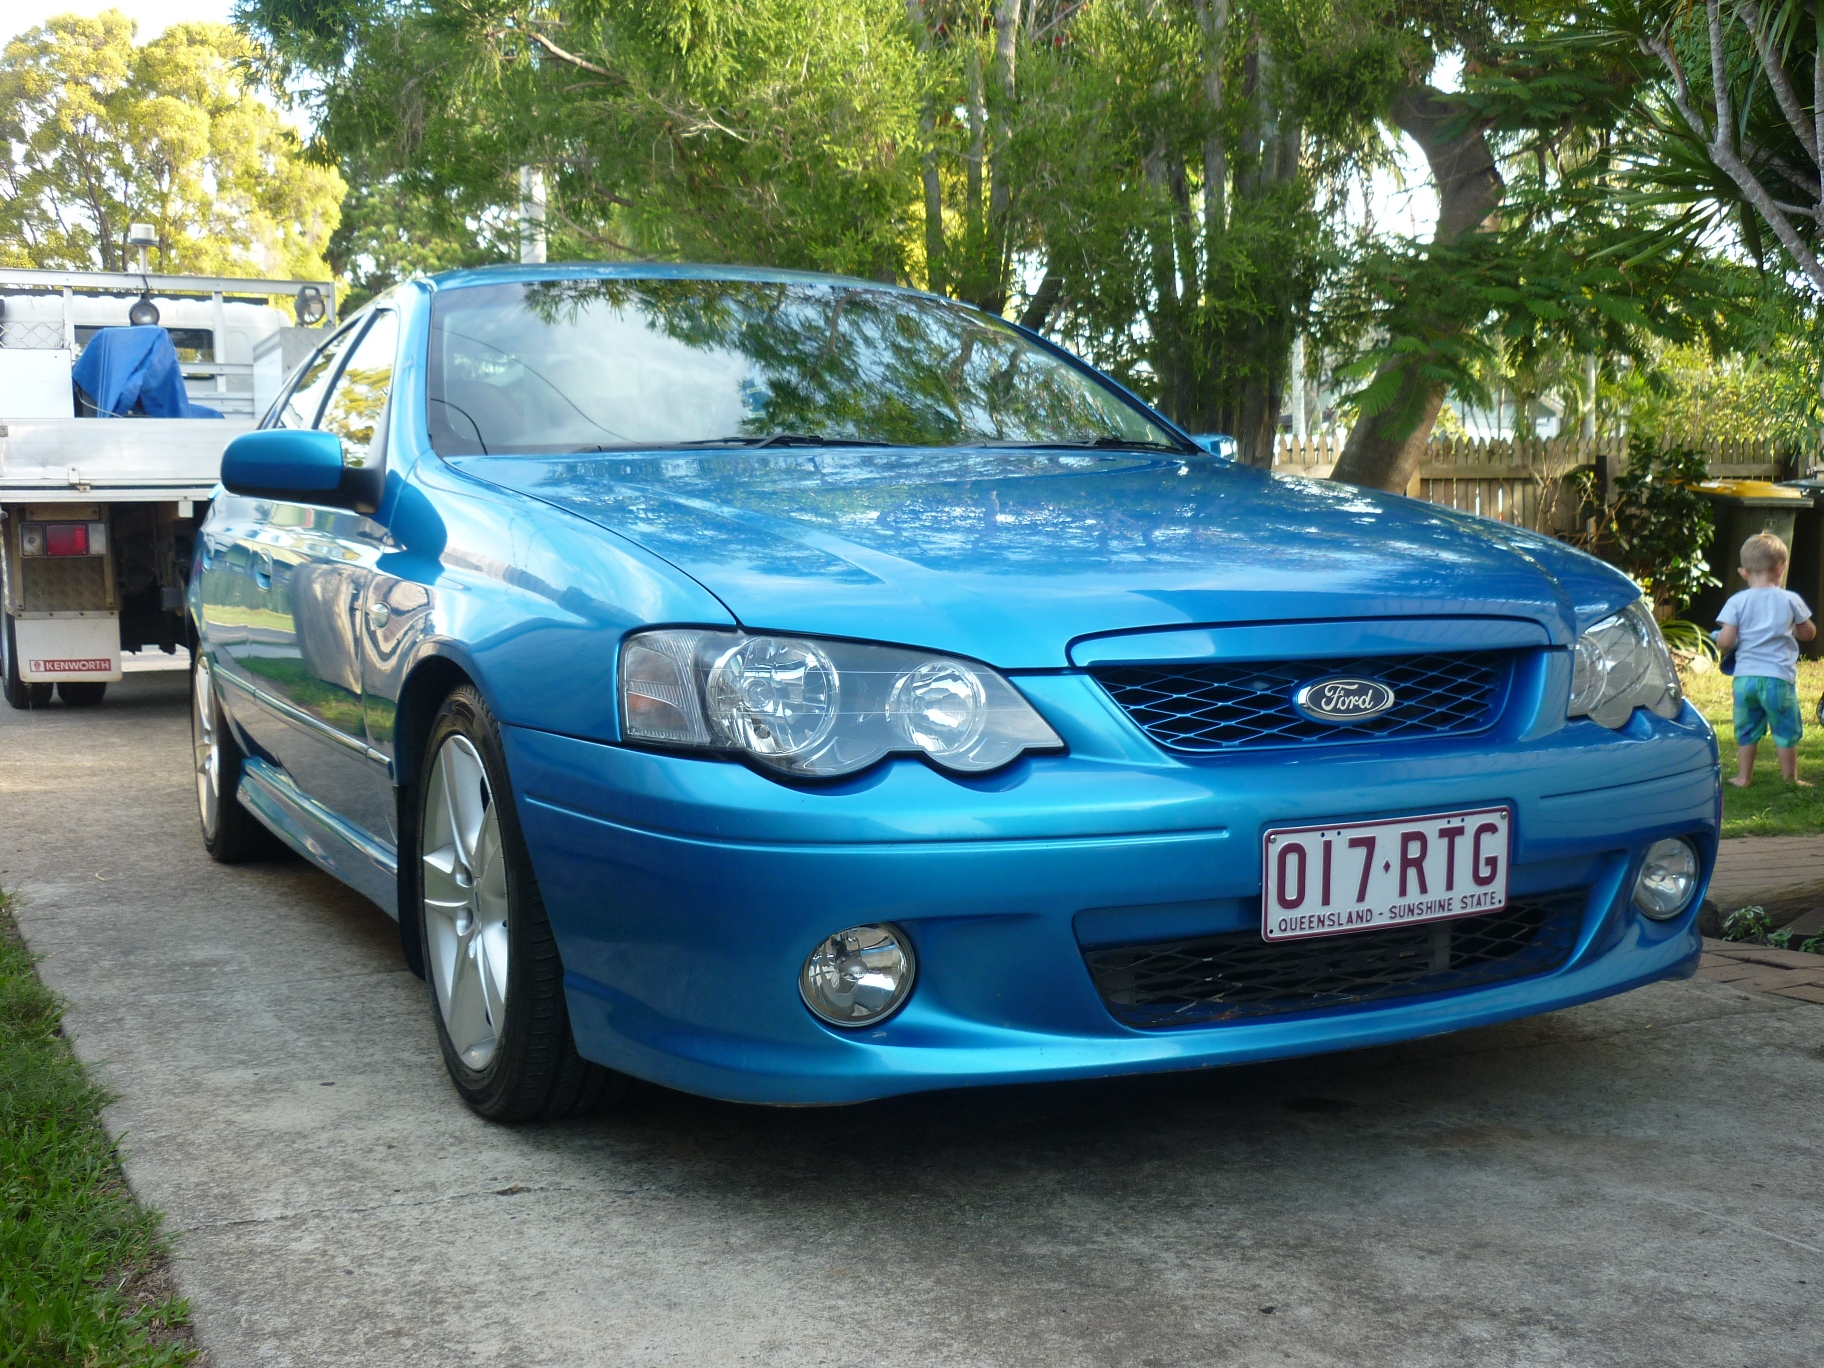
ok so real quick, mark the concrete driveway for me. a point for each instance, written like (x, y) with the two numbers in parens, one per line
(1632, 1182)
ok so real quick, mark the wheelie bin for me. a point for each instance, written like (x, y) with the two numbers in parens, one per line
(1743, 508)
(1806, 575)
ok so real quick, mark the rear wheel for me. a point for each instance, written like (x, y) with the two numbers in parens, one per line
(81, 695)
(496, 981)
(231, 834)
(19, 693)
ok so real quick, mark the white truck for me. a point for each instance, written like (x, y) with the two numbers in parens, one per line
(97, 515)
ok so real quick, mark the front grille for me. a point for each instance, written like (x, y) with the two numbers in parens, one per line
(1228, 706)
(1221, 978)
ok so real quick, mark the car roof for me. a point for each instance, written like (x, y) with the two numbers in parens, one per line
(651, 270)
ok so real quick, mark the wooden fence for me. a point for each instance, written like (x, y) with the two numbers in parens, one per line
(1524, 481)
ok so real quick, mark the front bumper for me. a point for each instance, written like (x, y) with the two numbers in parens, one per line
(686, 893)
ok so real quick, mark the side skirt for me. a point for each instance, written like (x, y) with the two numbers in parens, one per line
(368, 866)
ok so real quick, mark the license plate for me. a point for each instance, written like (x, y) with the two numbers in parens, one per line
(1356, 876)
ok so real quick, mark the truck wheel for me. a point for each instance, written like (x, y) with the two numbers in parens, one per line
(231, 834)
(81, 695)
(18, 692)
(496, 981)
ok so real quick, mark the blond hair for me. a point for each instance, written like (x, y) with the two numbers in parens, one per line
(1763, 553)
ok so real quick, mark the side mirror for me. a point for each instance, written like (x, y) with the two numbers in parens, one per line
(299, 465)
(1216, 443)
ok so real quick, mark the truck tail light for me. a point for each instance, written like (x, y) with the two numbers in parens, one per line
(63, 539)
(66, 539)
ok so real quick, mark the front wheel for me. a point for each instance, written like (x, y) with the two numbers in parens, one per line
(496, 981)
(231, 834)
(19, 693)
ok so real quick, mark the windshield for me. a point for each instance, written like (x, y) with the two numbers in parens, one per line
(563, 366)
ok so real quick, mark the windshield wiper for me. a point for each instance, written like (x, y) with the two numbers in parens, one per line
(1089, 444)
(782, 439)
(776, 439)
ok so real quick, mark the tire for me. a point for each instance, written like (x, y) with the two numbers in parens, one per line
(19, 693)
(82, 695)
(504, 1030)
(231, 834)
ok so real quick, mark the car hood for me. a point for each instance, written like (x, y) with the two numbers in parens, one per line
(1010, 555)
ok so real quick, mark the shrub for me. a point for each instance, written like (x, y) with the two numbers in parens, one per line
(1658, 524)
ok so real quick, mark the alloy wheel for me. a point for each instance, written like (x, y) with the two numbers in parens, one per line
(465, 901)
(206, 743)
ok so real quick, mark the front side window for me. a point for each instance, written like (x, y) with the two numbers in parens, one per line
(564, 366)
(356, 403)
(298, 409)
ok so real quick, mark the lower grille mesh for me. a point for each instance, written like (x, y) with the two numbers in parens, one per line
(1221, 978)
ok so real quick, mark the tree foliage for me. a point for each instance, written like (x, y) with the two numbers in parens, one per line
(102, 133)
(1148, 178)
(1733, 118)
(1160, 183)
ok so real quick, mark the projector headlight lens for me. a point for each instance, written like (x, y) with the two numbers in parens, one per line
(859, 976)
(819, 708)
(940, 707)
(1668, 878)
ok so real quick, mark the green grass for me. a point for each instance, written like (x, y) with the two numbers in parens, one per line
(1769, 806)
(82, 1271)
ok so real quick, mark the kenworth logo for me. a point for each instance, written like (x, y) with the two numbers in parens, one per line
(1344, 700)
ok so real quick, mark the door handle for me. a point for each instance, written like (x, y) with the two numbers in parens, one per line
(378, 614)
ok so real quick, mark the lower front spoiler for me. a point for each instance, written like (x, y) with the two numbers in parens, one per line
(626, 1035)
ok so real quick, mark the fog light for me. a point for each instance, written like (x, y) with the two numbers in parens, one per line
(859, 976)
(1668, 878)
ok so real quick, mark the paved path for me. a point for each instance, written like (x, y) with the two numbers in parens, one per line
(1633, 1182)
(1789, 973)
(1749, 868)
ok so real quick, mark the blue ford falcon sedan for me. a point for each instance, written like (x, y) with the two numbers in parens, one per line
(795, 689)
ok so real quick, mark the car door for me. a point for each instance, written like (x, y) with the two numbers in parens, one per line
(323, 559)
(247, 628)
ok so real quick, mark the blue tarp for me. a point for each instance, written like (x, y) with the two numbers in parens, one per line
(134, 371)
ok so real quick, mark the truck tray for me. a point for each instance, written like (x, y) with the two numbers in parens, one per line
(131, 459)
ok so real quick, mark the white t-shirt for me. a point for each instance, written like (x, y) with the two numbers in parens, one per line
(1763, 620)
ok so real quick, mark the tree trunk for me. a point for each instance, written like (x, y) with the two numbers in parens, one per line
(1006, 34)
(995, 258)
(1268, 159)
(1165, 321)
(1044, 300)
(978, 126)
(1380, 453)
(1213, 19)
(935, 275)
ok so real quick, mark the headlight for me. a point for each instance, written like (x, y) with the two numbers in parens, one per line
(821, 708)
(1622, 664)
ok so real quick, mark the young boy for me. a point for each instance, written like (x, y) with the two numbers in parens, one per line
(1764, 625)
